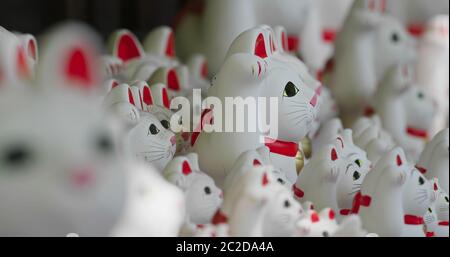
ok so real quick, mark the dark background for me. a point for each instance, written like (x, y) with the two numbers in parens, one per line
(34, 16)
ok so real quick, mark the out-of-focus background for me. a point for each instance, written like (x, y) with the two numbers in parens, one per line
(138, 15)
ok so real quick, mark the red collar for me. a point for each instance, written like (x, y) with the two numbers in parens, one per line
(413, 220)
(443, 223)
(430, 234)
(360, 200)
(289, 149)
(297, 191)
(420, 133)
(345, 212)
(219, 218)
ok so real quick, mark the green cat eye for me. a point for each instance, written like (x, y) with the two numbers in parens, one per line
(290, 90)
(153, 129)
(358, 162)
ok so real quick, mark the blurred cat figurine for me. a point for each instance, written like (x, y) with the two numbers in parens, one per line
(63, 176)
(432, 68)
(249, 73)
(203, 198)
(141, 61)
(369, 135)
(155, 208)
(406, 111)
(434, 160)
(369, 43)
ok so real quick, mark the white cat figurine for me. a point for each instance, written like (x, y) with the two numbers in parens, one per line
(369, 43)
(394, 197)
(432, 68)
(434, 160)
(406, 111)
(154, 208)
(250, 74)
(436, 218)
(203, 198)
(65, 175)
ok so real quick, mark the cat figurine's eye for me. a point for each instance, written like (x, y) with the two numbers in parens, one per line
(395, 37)
(421, 181)
(207, 190)
(105, 144)
(287, 204)
(153, 129)
(165, 124)
(356, 175)
(290, 90)
(16, 156)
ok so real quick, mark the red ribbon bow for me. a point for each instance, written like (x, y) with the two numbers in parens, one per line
(360, 200)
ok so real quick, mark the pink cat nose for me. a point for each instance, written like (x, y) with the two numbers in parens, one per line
(313, 101)
(173, 140)
(221, 195)
(82, 177)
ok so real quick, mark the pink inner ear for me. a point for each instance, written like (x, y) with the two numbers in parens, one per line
(399, 161)
(32, 49)
(260, 47)
(436, 186)
(186, 168)
(265, 180)
(204, 70)
(22, 65)
(315, 217)
(272, 44)
(114, 84)
(127, 48)
(130, 97)
(170, 48)
(331, 215)
(165, 97)
(284, 41)
(172, 80)
(256, 162)
(78, 69)
(148, 100)
(334, 155)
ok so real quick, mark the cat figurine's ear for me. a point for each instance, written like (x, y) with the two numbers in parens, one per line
(193, 160)
(160, 42)
(198, 66)
(124, 45)
(30, 45)
(145, 95)
(259, 41)
(170, 77)
(327, 214)
(368, 12)
(70, 59)
(178, 170)
(160, 95)
(14, 64)
(121, 102)
(281, 37)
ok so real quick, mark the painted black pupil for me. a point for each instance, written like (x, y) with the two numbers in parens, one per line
(165, 124)
(287, 204)
(356, 175)
(429, 210)
(290, 90)
(325, 234)
(420, 95)
(421, 181)
(105, 144)
(17, 156)
(153, 129)
(446, 199)
(358, 162)
(207, 190)
(280, 181)
(395, 38)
